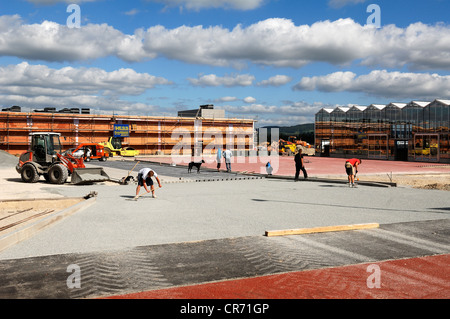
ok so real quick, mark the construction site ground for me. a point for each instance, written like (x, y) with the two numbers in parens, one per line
(203, 237)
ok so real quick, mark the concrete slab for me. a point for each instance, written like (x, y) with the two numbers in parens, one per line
(211, 229)
(316, 166)
(23, 219)
(185, 212)
(192, 269)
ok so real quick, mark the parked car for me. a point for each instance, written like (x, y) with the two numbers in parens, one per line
(78, 154)
(89, 151)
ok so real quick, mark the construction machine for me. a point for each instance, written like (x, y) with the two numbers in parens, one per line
(292, 145)
(114, 147)
(287, 147)
(45, 158)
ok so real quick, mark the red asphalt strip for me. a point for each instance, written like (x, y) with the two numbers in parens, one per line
(415, 278)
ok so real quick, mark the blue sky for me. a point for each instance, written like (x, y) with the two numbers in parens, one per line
(276, 61)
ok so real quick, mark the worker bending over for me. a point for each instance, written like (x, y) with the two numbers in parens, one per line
(351, 168)
(145, 178)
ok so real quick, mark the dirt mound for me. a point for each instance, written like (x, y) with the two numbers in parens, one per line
(7, 160)
(439, 181)
(438, 186)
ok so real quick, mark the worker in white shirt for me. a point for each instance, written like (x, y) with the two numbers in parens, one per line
(227, 155)
(145, 179)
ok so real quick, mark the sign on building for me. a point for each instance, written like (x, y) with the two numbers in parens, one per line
(121, 130)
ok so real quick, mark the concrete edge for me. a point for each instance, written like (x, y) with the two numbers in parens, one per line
(309, 179)
(29, 230)
(336, 181)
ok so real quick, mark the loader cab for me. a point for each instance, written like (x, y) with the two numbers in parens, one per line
(45, 146)
(116, 142)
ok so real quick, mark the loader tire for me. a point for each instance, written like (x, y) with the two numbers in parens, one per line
(29, 174)
(57, 174)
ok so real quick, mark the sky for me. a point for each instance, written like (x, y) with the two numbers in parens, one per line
(275, 61)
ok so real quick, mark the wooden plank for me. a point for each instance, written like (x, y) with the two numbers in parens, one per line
(302, 231)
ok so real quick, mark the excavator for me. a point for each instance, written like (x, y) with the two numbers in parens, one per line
(45, 158)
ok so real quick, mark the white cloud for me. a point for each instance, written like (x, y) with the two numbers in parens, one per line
(278, 42)
(253, 109)
(39, 85)
(50, 41)
(303, 109)
(291, 113)
(40, 79)
(380, 83)
(132, 12)
(274, 42)
(227, 81)
(226, 99)
(338, 81)
(99, 104)
(249, 99)
(277, 80)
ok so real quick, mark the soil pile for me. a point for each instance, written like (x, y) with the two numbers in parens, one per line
(7, 160)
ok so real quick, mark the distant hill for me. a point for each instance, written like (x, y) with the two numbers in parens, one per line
(297, 129)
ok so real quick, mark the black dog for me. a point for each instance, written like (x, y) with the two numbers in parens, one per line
(192, 164)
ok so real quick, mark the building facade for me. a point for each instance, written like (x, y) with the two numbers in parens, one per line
(149, 135)
(415, 131)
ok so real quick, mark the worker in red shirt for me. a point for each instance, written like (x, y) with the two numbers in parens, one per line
(351, 167)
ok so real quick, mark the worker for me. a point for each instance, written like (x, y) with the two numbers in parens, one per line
(145, 178)
(351, 167)
(298, 159)
(218, 158)
(227, 155)
(269, 168)
(87, 154)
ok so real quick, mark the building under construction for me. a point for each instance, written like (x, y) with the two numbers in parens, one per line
(202, 130)
(415, 131)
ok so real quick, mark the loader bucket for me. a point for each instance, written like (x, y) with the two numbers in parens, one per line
(89, 175)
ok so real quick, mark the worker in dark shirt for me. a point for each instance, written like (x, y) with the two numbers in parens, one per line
(298, 159)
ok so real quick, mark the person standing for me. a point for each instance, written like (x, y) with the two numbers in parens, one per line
(145, 178)
(351, 168)
(227, 155)
(219, 158)
(269, 168)
(298, 159)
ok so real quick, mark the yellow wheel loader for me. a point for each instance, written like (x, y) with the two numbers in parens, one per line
(114, 147)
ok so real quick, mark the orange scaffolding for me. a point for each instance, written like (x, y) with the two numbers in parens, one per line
(149, 135)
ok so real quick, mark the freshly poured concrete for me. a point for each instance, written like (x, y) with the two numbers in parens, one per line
(185, 212)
